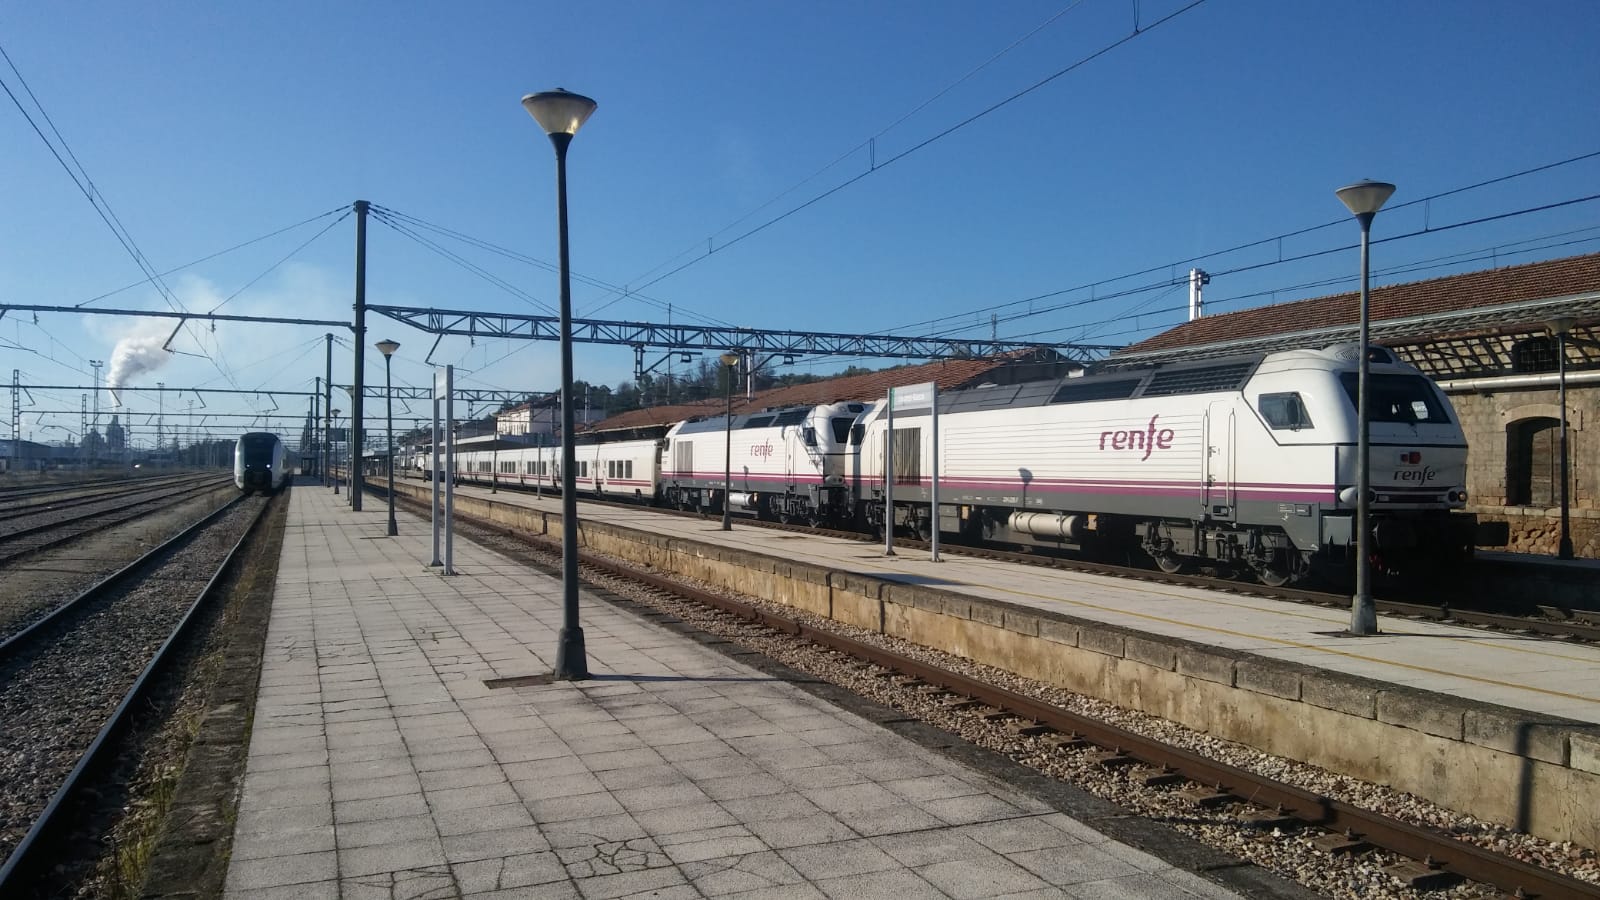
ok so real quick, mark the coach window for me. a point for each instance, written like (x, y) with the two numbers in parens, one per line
(627, 469)
(1284, 411)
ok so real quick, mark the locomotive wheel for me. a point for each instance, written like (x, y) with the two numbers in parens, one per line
(1275, 571)
(1170, 563)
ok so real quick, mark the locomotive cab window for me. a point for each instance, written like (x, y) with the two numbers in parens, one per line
(1403, 399)
(841, 430)
(1284, 411)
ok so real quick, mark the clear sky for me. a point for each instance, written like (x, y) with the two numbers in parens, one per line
(206, 125)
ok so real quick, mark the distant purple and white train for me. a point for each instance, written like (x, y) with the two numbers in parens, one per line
(1248, 463)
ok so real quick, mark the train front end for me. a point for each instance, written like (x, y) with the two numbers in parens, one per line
(1417, 471)
(257, 458)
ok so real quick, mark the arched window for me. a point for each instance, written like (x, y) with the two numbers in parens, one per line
(1533, 462)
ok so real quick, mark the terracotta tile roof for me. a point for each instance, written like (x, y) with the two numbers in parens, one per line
(947, 374)
(1453, 293)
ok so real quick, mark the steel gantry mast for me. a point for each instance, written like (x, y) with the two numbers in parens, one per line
(678, 338)
(16, 418)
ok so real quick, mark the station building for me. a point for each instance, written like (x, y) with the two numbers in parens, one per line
(1496, 341)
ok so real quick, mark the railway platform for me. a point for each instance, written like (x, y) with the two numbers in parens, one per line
(404, 745)
(1501, 725)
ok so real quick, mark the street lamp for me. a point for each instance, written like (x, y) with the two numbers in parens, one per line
(1364, 199)
(729, 360)
(1560, 327)
(387, 348)
(333, 414)
(561, 113)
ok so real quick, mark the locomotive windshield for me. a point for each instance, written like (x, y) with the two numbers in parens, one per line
(1402, 399)
(256, 448)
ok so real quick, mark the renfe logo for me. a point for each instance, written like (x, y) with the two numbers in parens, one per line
(1148, 440)
(762, 450)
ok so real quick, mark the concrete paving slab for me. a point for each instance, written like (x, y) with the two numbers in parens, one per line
(676, 771)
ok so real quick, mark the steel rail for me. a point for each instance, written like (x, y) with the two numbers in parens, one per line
(9, 645)
(1464, 859)
(20, 862)
(1444, 614)
(45, 505)
(6, 555)
(1441, 850)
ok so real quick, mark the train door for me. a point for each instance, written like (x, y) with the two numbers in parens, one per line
(1218, 485)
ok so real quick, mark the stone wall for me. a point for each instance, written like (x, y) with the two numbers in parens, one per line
(1537, 773)
(1485, 416)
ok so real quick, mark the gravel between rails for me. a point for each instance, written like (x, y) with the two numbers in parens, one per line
(1288, 853)
(33, 586)
(56, 694)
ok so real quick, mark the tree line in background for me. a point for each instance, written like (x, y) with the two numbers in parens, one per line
(705, 381)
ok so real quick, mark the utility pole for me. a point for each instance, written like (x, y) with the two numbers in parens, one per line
(16, 418)
(83, 429)
(327, 412)
(95, 453)
(357, 422)
(316, 422)
(161, 411)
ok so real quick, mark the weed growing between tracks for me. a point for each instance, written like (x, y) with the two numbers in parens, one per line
(117, 838)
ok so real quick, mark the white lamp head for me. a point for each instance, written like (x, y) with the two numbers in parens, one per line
(559, 111)
(1365, 198)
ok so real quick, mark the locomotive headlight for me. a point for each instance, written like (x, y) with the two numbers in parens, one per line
(1349, 495)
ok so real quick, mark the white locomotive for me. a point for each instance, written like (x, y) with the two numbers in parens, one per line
(1248, 463)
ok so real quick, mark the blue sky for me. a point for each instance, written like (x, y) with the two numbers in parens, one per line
(208, 125)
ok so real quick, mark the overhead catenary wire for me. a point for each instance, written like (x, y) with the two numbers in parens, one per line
(466, 264)
(1448, 261)
(514, 255)
(102, 207)
(1259, 242)
(864, 144)
(210, 256)
(286, 257)
(969, 120)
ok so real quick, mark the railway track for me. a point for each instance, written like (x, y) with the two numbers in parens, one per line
(1428, 858)
(43, 529)
(61, 497)
(1582, 626)
(70, 682)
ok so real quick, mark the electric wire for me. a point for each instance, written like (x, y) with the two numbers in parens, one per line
(868, 142)
(286, 258)
(1169, 266)
(464, 263)
(192, 263)
(541, 264)
(96, 198)
(975, 117)
(1434, 263)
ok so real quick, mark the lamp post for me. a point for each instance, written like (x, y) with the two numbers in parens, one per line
(387, 348)
(333, 416)
(729, 360)
(1561, 327)
(1364, 199)
(561, 113)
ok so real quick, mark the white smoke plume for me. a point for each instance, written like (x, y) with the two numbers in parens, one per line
(135, 355)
